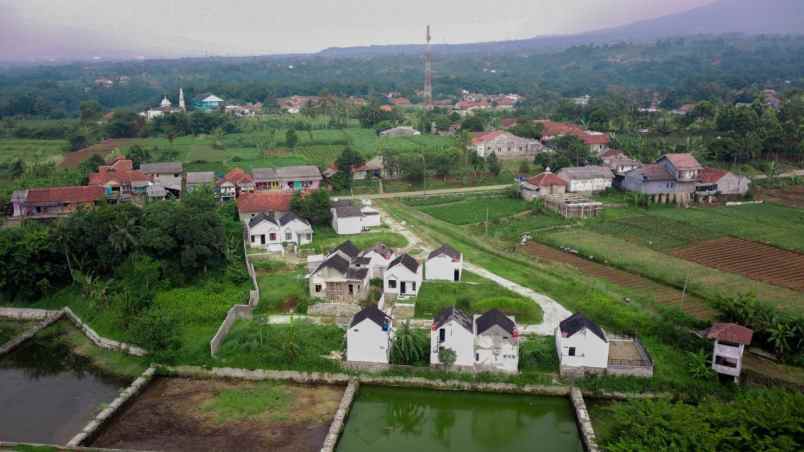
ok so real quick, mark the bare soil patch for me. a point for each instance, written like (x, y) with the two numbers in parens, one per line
(753, 260)
(73, 159)
(792, 196)
(173, 414)
(665, 295)
(623, 351)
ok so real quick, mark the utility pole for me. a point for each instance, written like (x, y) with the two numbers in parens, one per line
(428, 75)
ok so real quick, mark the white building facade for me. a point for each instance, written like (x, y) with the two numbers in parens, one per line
(403, 277)
(369, 337)
(444, 264)
(496, 342)
(582, 347)
(453, 329)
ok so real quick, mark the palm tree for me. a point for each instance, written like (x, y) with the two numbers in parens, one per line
(407, 348)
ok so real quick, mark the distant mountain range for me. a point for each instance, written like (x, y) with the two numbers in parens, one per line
(724, 16)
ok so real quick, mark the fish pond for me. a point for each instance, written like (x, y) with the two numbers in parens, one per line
(401, 420)
(47, 392)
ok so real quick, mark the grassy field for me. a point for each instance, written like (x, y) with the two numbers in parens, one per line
(469, 209)
(474, 295)
(325, 239)
(197, 311)
(283, 288)
(29, 151)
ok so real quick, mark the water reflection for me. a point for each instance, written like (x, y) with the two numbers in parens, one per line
(396, 420)
(47, 392)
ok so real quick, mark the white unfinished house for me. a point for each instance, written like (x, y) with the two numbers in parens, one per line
(379, 257)
(730, 342)
(444, 264)
(368, 339)
(402, 278)
(337, 280)
(496, 342)
(587, 179)
(582, 347)
(273, 232)
(454, 330)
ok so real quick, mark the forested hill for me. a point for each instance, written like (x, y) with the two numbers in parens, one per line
(721, 69)
(750, 17)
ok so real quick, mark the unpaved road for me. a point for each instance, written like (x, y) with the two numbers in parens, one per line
(553, 311)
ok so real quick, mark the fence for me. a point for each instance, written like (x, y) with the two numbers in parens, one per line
(238, 311)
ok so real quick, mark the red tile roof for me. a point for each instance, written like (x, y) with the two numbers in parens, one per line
(711, 175)
(482, 137)
(386, 108)
(121, 171)
(264, 202)
(683, 161)
(400, 101)
(546, 179)
(238, 176)
(554, 129)
(467, 104)
(65, 194)
(730, 332)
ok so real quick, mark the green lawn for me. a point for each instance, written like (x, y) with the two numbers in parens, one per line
(30, 151)
(325, 239)
(511, 229)
(474, 295)
(473, 209)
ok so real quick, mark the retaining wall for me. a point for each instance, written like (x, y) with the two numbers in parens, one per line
(94, 425)
(584, 421)
(238, 311)
(101, 341)
(95, 338)
(336, 427)
(25, 314)
(30, 332)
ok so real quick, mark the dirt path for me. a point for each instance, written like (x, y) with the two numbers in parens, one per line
(553, 312)
(665, 295)
(440, 191)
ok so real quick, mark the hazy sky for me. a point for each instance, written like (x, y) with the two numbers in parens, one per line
(240, 27)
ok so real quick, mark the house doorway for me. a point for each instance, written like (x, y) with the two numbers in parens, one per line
(456, 276)
(262, 239)
(402, 288)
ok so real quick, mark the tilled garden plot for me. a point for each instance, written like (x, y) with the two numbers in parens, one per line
(753, 260)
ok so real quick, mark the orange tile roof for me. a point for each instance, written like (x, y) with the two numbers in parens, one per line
(711, 175)
(238, 176)
(65, 194)
(730, 332)
(546, 179)
(264, 202)
(121, 171)
(482, 137)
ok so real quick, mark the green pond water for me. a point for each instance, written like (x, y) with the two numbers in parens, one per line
(48, 393)
(405, 420)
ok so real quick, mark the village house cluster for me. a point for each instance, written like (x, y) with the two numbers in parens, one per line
(265, 189)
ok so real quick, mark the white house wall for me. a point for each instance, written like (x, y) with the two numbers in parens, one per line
(496, 349)
(367, 342)
(443, 268)
(458, 339)
(590, 350)
(347, 226)
(400, 274)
